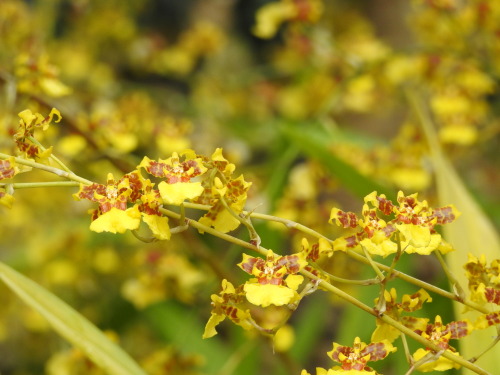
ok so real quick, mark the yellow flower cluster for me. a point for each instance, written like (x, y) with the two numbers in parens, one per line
(353, 359)
(123, 203)
(409, 229)
(140, 91)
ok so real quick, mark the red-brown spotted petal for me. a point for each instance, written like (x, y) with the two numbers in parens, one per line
(488, 320)
(458, 329)
(492, 295)
(445, 215)
(7, 169)
(344, 219)
(377, 351)
(385, 205)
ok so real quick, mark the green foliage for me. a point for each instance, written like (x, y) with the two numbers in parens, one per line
(70, 324)
(244, 175)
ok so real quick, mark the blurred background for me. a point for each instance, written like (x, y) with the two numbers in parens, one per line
(310, 100)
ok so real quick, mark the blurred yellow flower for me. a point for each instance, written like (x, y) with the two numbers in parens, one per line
(270, 17)
(284, 338)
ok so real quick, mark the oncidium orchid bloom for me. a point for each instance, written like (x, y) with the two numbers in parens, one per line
(276, 279)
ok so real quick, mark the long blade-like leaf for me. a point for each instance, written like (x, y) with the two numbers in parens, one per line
(71, 325)
(181, 326)
(472, 233)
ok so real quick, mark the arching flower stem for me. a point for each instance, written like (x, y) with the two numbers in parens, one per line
(338, 292)
(356, 256)
(59, 172)
(457, 288)
(29, 185)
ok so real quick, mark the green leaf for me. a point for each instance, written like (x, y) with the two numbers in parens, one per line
(317, 144)
(471, 233)
(71, 325)
(280, 168)
(310, 325)
(182, 326)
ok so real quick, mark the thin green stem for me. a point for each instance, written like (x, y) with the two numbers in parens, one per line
(361, 258)
(29, 185)
(342, 280)
(393, 322)
(197, 206)
(358, 257)
(59, 172)
(422, 284)
(288, 223)
(395, 259)
(380, 275)
(429, 357)
(495, 341)
(451, 278)
(243, 220)
(234, 240)
(52, 156)
(182, 222)
(338, 292)
(381, 304)
(406, 348)
(447, 354)
(206, 229)
(142, 238)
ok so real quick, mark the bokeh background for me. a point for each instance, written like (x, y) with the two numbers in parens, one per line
(311, 99)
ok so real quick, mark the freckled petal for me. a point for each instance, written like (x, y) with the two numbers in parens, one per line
(445, 215)
(487, 320)
(415, 301)
(378, 350)
(343, 219)
(117, 221)
(220, 219)
(222, 164)
(248, 262)
(8, 168)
